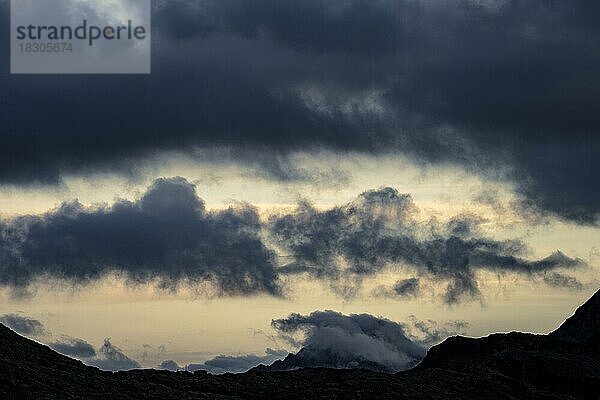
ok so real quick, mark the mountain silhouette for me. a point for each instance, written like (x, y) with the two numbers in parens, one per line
(564, 364)
(584, 325)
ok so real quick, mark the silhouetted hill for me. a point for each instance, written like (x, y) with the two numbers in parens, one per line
(584, 325)
(562, 365)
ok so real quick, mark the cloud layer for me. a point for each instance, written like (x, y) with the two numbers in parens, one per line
(168, 238)
(509, 86)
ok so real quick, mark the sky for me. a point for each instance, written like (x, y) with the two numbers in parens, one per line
(292, 171)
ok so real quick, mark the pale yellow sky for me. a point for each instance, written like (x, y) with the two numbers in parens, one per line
(196, 329)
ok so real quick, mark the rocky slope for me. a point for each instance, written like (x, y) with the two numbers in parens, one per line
(562, 365)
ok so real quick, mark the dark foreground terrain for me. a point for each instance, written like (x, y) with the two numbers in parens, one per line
(562, 365)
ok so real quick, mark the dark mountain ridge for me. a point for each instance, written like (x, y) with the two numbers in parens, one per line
(584, 325)
(564, 364)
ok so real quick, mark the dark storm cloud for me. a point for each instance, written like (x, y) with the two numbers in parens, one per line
(23, 325)
(238, 364)
(380, 228)
(331, 339)
(166, 236)
(73, 347)
(510, 88)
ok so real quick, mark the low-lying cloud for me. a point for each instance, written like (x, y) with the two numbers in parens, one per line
(23, 324)
(331, 339)
(108, 357)
(238, 364)
(111, 358)
(73, 347)
(170, 365)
